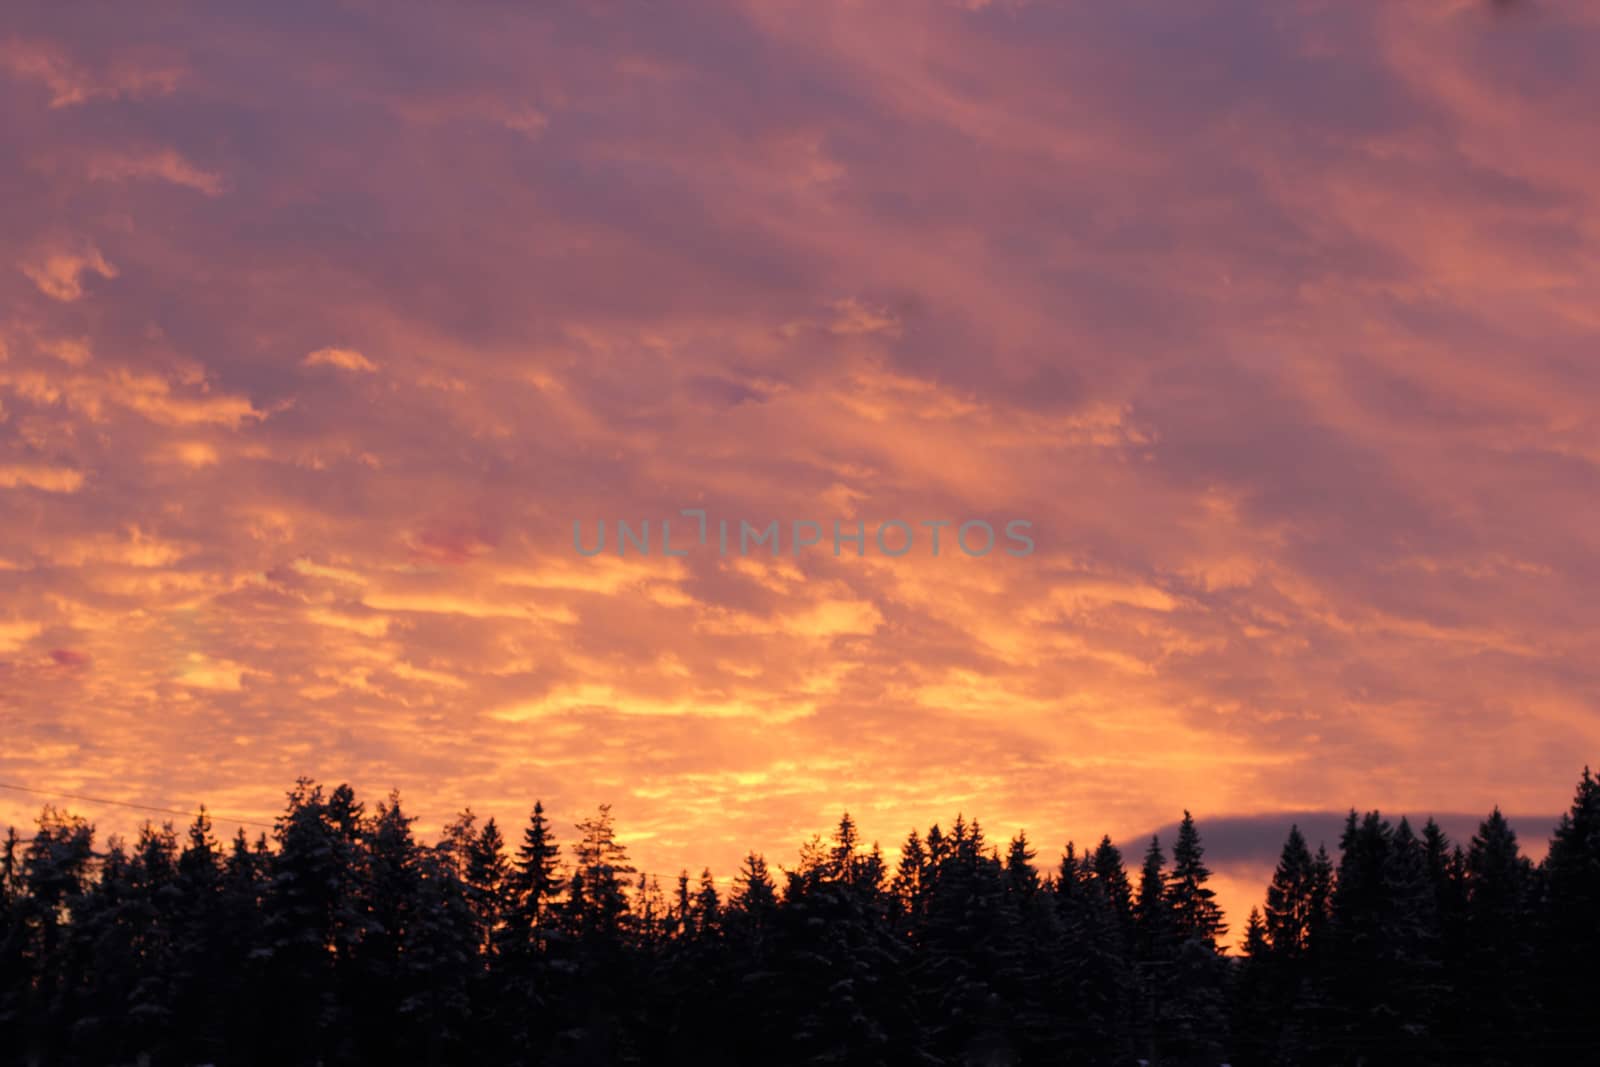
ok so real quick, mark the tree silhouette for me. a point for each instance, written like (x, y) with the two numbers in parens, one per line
(346, 940)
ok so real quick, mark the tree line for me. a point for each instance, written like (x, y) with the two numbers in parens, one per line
(342, 939)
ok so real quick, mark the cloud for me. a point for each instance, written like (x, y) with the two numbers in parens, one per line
(342, 358)
(71, 84)
(15, 634)
(156, 399)
(165, 165)
(1282, 341)
(59, 274)
(203, 672)
(194, 454)
(49, 479)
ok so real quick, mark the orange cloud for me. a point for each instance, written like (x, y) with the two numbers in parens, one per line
(49, 479)
(59, 274)
(1283, 341)
(343, 358)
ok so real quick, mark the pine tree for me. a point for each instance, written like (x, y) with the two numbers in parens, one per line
(1322, 886)
(487, 875)
(197, 918)
(1384, 970)
(707, 906)
(1571, 936)
(14, 977)
(1150, 909)
(101, 960)
(313, 921)
(959, 937)
(455, 843)
(754, 892)
(1191, 1023)
(1021, 880)
(1415, 938)
(838, 966)
(600, 863)
(11, 871)
(56, 873)
(1280, 989)
(908, 890)
(1357, 930)
(1290, 900)
(1111, 879)
(150, 911)
(846, 843)
(1190, 902)
(653, 919)
(535, 884)
(239, 948)
(388, 890)
(1446, 866)
(1258, 1000)
(1096, 974)
(683, 906)
(1496, 961)
(755, 987)
(540, 965)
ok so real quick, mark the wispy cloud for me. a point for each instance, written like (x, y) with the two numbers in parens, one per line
(342, 358)
(1282, 337)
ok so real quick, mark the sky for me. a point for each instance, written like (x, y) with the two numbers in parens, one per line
(322, 324)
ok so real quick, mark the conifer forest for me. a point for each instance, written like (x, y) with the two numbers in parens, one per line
(340, 938)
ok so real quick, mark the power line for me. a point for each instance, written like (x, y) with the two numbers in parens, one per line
(128, 804)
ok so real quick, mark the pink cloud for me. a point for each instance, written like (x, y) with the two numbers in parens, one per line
(1282, 338)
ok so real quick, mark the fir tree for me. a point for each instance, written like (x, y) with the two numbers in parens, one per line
(535, 884)
(1021, 880)
(1111, 879)
(1150, 909)
(707, 905)
(683, 907)
(754, 892)
(600, 866)
(1190, 902)
(56, 877)
(197, 920)
(1385, 971)
(313, 920)
(1571, 936)
(487, 875)
(1258, 1018)
(1496, 961)
(908, 891)
(1290, 900)
(439, 976)
(13, 962)
(1190, 1021)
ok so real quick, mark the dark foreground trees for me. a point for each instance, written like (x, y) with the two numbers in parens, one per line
(342, 939)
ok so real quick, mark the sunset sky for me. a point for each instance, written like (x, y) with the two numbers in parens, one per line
(321, 324)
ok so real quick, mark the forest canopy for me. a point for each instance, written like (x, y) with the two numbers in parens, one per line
(340, 938)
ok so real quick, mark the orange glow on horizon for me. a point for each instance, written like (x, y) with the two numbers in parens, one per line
(310, 360)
